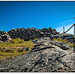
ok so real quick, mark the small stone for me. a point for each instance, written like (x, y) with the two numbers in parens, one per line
(28, 48)
(5, 48)
(24, 48)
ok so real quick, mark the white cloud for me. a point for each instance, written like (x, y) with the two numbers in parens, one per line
(71, 31)
(69, 20)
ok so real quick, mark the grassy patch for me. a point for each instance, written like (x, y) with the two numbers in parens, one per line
(64, 41)
(14, 47)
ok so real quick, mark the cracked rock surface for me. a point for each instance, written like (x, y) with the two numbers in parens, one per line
(44, 57)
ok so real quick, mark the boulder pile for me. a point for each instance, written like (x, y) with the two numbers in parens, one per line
(31, 33)
(27, 34)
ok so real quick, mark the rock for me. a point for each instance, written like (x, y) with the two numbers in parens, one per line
(11, 41)
(5, 37)
(64, 46)
(5, 48)
(30, 33)
(34, 41)
(24, 48)
(28, 48)
(2, 32)
(43, 58)
(1, 41)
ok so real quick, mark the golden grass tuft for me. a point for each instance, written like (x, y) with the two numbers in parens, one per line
(14, 47)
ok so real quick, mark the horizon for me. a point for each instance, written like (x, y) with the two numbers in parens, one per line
(37, 14)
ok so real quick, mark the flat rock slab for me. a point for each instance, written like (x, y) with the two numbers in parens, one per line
(49, 58)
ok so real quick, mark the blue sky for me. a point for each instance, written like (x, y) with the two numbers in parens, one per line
(36, 14)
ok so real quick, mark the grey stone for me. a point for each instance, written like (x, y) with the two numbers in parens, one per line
(45, 59)
(65, 46)
(24, 48)
(28, 48)
(5, 37)
(31, 33)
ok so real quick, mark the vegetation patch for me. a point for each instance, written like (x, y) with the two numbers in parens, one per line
(64, 41)
(14, 47)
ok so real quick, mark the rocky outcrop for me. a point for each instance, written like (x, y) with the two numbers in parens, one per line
(31, 33)
(64, 46)
(2, 32)
(27, 34)
(44, 57)
(4, 36)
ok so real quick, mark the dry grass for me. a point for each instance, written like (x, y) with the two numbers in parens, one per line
(64, 41)
(14, 47)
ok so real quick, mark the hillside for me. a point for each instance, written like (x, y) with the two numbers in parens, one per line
(33, 50)
(44, 57)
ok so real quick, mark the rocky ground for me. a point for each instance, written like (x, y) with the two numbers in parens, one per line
(46, 56)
